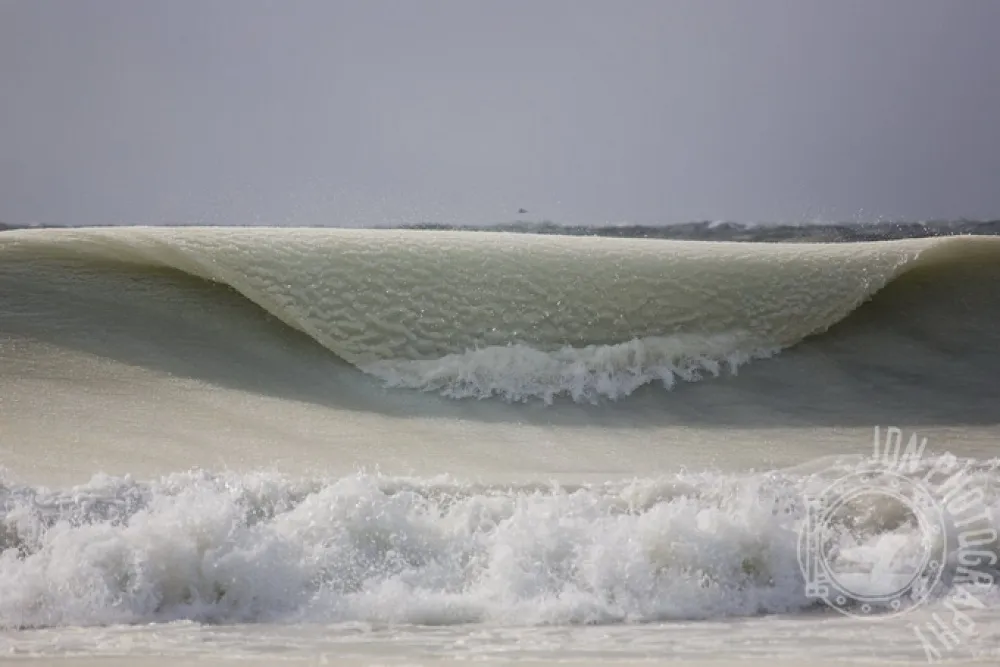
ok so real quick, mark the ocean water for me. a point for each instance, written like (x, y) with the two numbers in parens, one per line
(331, 446)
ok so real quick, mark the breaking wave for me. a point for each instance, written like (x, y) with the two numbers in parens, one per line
(262, 547)
(482, 314)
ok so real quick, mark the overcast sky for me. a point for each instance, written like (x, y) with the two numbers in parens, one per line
(367, 112)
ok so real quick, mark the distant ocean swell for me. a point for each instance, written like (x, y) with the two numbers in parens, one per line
(517, 316)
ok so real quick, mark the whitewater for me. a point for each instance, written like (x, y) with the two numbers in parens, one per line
(346, 446)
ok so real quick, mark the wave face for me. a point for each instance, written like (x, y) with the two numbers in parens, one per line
(265, 548)
(520, 316)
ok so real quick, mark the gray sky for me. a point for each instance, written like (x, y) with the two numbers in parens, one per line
(375, 111)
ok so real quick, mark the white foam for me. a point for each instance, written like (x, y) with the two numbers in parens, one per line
(520, 372)
(262, 547)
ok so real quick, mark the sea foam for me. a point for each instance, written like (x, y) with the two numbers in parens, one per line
(266, 548)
